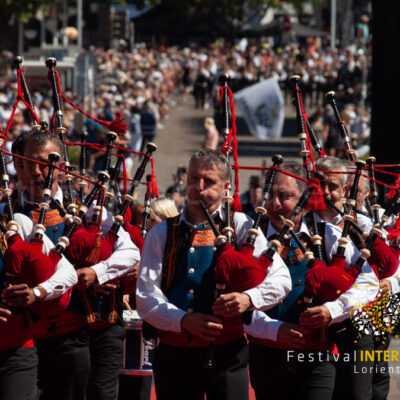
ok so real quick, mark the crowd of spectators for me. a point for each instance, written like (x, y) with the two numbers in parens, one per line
(138, 85)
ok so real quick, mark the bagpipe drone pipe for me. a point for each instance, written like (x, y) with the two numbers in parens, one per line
(25, 262)
(329, 282)
(87, 247)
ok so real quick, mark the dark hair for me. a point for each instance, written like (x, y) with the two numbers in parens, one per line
(18, 146)
(254, 182)
(214, 158)
(172, 189)
(41, 139)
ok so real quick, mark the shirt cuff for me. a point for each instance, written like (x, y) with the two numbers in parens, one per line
(272, 328)
(50, 293)
(101, 272)
(255, 298)
(337, 312)
(395, 284)
(176, 319)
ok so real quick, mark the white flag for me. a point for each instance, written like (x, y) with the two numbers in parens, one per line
(263, 109)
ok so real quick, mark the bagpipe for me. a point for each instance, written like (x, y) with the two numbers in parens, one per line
(229, 147)
(87, 247)
(234, 271)
(25, 262)
(84, 246)
(329, 282)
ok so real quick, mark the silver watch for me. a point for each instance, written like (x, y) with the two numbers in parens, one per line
(37, 293)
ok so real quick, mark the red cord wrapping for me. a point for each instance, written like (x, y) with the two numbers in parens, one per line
(20, 96)
(118, 125)
(229, 141)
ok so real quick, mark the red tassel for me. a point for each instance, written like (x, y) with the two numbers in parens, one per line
(94, 256)
(128, 216)
(152, 187)
(236, 206)
(118, 125)
(394, 233)
(392, 192)
(316, 199)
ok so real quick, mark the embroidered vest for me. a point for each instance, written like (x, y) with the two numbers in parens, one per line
(188, 279)
(288, 310)
(192, 287)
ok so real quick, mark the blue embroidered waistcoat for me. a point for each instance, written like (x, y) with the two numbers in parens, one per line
(192, 288)
(54, 223)
(294, 259)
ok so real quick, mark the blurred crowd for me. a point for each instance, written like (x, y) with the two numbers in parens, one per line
(141, 86)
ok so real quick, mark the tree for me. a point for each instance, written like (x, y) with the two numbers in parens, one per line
(236, 10)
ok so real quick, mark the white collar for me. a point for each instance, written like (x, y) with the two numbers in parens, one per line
(303, 228)
(182, 217)
(24, 198)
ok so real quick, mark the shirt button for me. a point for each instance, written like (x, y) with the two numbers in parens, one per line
(190, 310)
(191, 270)
(192, 250)
(191, 291)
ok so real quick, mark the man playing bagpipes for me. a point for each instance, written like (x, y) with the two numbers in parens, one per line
(278, 335)
(63, 348)
(175, 292)
(335, 186)
(31, 285)
(18, 365)
(367, 196)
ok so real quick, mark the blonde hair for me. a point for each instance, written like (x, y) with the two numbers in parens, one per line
(163, 208)
(209, 122)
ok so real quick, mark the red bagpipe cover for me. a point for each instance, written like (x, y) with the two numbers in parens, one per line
(87, 248)
(238, 269)
(136, 235)
(385, 257)
(28, 264)
(329, 282)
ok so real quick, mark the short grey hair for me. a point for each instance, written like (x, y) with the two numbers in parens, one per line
(330, 163)
(296, 168)
(213, 158)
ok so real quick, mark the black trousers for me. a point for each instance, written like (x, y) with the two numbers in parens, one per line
(179, 372)
(64, 366)
(354, 373)
(282, 374)
(134, 387)
(106, 353)
(381, 376)
(18, 374)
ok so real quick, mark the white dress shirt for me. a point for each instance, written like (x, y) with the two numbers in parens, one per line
(153, 305)
(64, 277)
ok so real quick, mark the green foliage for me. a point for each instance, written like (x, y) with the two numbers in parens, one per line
(74, 154)
(25, 9)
